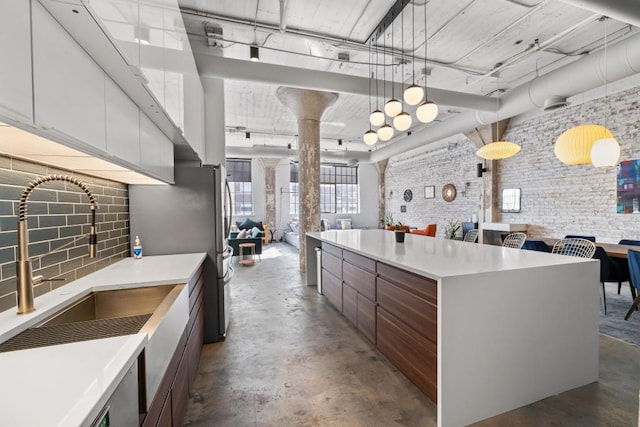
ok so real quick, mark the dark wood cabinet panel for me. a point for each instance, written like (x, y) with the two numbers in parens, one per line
(360, 261)
(421, 286)
(412, 354)
(180, 393)
(367, 317)
(332, 289)
(333, 250)
(194, 346)
(165, 415)
(419, 314)
(332, 264)
(350, 303)
(359, 279)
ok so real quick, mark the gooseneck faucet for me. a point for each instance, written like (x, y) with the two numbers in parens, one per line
(23, 265)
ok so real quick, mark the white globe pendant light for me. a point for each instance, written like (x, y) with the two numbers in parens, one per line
(402, 121)
(376, 118)
(393, 107)
(605, 152)
(427, 112)
(370, 137)
(385, 132)
(413, 94)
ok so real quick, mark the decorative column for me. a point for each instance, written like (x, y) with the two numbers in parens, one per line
(269, 166)
(308, 106)
(381, 167)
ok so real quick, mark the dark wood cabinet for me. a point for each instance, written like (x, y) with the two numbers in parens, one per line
(414, 355)
(362, 281)
(350, 303)
(359, 285)
(367, 317)
(332, 289)
(332, 264)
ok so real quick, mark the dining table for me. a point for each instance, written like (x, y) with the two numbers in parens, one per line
(612, 249)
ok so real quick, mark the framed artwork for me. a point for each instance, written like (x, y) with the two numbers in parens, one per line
(511, 200)
(403, 208)
(430, 192)
(628, 187)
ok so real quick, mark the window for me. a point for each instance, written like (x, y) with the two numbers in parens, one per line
(339, 191)
(239, 177)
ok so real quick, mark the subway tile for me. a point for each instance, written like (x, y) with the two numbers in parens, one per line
(7, 286)
(78, 219)
(41, 195)
(48, 272)
(39, 248)
(83, 271)
(37, 208)
(60, 208)
(53, 185)
(71, 265)
(82, 208)
(7, 254)
(9, 270)
(8, 302)
(42, 234)
(6, 207)
(52, 220)
(66, 279)
(118, 208)
(41, 289)
(68, 231)
(52, 259)
(25, 166)
(19, 180)
(8, 192)
(78, 252)
(105, 200)
(5, 162)
(66, 197)
(9, 238)
(10, 223)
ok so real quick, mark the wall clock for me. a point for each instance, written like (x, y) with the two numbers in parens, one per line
(408, 195)
(449, 192)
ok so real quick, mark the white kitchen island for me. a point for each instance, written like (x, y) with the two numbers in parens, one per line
(513, 326)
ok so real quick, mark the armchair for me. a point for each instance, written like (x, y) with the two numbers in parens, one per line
(430, 230)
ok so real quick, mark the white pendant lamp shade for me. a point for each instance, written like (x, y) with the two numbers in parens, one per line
(413, 95)
(498, 150)
(427, 112)
(393, 107)
(402, 121)
(385, 132)
(370, 137)
(605, 153)
(376, 118)
(573, 146)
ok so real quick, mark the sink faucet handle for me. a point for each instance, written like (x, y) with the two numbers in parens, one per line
(40, 278)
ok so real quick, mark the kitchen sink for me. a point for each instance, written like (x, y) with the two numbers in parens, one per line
(100, 314)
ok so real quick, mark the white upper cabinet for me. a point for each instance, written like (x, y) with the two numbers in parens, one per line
(123, 125)
(151, 43)
(15, 65)
(156, 150)
(69, 88)
(120, 19)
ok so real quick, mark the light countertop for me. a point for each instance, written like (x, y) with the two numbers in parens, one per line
(438, 258)
(66, 385)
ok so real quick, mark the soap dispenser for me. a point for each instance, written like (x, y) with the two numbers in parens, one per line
(137, 248)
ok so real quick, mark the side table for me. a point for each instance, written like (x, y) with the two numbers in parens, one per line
(247, 258)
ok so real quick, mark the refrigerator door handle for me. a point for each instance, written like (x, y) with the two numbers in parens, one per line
(228, 217)
(229, 275)
(228, 253)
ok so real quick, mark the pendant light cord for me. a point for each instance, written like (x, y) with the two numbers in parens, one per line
(605, 72)
(402, 55)
(413, 44)
(426, 98)
(393, 89)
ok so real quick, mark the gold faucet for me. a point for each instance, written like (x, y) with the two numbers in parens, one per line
(23, 265)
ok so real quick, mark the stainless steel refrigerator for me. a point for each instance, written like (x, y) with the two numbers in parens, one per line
(193, 215)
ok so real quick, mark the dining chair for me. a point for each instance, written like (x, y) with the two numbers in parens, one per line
(582, 248)
(536, 245)
(471, 236)
(575, 236)
(629, 242)
(514, 240)
(634, 271)
(612, 271)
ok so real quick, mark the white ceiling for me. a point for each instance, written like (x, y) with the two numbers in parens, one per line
(470, 43)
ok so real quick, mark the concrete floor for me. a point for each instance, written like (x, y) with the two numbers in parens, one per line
(291, 359)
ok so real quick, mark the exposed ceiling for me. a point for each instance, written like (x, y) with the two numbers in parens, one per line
(474, 47)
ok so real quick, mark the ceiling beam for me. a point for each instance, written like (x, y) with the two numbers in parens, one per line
(235, 69)
(387, 20)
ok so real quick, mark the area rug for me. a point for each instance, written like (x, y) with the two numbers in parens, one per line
(613, 323)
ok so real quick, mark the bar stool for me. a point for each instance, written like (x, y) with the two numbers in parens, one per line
(247, 258)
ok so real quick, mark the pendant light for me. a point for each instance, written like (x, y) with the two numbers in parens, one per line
(376, 118)
(427, 111)
(605, 152)
(403, 120)
(393, 107)
(498, 150)
(414, 93)
(385, 132)
(370, 137)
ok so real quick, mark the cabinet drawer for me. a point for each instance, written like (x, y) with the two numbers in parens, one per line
(333, 250)
(420, 286)
(180, 393)
(419, 314)
(414, 356)
(360, 261)
(360, 280)
(332, 264)
(367, 318)
(350, 303)
(332, 289)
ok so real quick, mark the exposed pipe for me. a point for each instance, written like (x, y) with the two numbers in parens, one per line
(623, 60)
(622, 10)
(283, 17)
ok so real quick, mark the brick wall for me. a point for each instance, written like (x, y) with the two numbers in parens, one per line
(556, 199)
(58, 212)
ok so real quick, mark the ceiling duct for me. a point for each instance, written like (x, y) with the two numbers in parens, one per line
(554, 102)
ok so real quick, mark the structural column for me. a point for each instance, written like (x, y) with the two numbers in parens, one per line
(308, 106)
(381, 167)
(269, 166)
